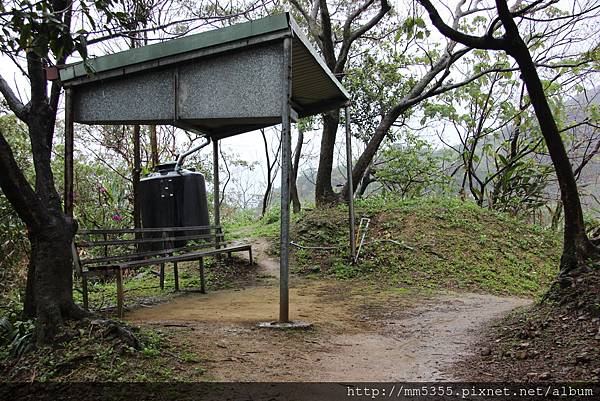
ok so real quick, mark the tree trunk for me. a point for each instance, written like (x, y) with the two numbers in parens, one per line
(323, 189)
(367, 156)
(153, 146)
(267, 195)
(48, 295)
(367, 179)
(335, 44)
(410, 99)
(296, 205)
(50, 288)
(576, 245)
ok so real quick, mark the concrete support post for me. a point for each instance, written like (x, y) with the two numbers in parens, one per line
(286, 156)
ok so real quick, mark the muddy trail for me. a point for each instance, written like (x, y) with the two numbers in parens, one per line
(357, 334)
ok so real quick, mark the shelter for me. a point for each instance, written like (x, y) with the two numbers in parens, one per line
(218, 84)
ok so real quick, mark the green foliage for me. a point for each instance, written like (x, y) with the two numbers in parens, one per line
(591, 221)
(101, 199)
(271, 216)
(36, 26)
(499, 141)
(142, 285)
(16, 337)
(411, 168)
(384, 73)
(522, 187)
(87, 354)
(13, 239)
(268, 226)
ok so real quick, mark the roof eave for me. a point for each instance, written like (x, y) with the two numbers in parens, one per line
(175, 47)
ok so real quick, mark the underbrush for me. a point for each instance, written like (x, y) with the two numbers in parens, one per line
(93, 351)
(557, 339)
(90, 351)
(429, 243)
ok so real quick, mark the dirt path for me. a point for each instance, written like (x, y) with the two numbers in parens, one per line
(358, 335)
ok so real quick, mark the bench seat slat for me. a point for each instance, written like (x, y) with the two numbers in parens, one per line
(213, 244)
(158, 252)
(89, 244)
(144, 230)
(175, 258)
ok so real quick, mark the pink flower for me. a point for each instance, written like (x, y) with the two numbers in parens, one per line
(117, 217)
(102, 190)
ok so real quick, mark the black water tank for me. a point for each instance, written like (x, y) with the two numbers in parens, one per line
(172, 198)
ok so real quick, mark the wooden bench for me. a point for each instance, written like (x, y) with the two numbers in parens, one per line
(102, 251)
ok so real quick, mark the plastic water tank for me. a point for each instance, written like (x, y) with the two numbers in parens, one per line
(172, 198)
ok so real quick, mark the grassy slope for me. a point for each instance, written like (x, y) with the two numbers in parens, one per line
(444, 243)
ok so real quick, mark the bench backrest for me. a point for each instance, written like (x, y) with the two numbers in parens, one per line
(110, 246)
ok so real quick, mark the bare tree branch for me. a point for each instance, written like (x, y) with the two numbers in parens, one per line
(13, 101)
(478, 42)
(16, 188)
(351, 36)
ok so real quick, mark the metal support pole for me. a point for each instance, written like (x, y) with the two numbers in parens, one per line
(120, 296)
(176, 275)
(350, 185)
(286, 157)
(216, 195)
(217, 202)
(202, 282)
(69, 147)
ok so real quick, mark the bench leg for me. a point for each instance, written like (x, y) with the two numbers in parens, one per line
(162, 276)
(229, 258)
(119, 292)
(250, 256)
(84, 288)
(202, 282)
(176, 274)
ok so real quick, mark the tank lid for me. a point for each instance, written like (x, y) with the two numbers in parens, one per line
(166, 167)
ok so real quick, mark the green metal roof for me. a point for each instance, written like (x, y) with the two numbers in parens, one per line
(267, 25)
(145, 86)
(177, 46)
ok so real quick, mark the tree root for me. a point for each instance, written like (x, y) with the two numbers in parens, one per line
(120, 332)
(50, 327)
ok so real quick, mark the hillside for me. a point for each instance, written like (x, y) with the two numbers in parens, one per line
(430, 243)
